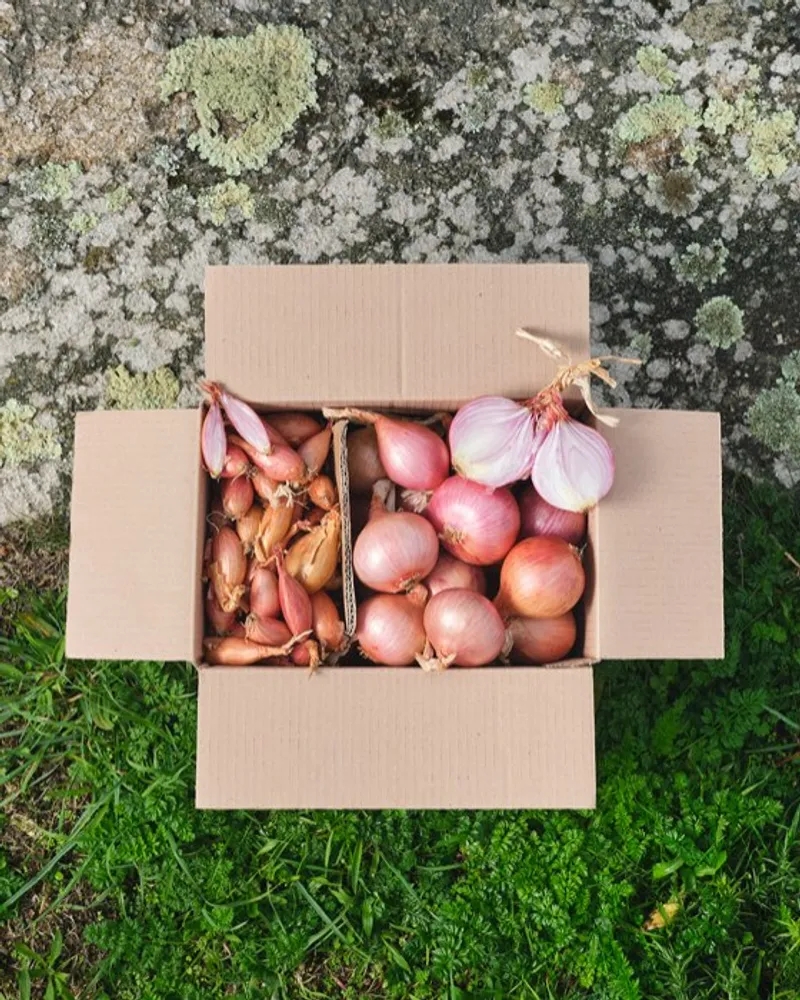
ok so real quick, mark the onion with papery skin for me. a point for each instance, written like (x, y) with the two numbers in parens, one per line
(213, 442)
(295, 428)
(363, 460)
(228, 568)
(236, 463)
(542, 640)
(264, 599)
(221, 621)
(247, 527)
(283, 464)
(574, 465)
(395, 551)
(540, 578)
(390, 630)
(415, 500)
(243, 418)
(322, 492)
(233, 651)
(450, 573)
(492, 441)
(266, 631)
(237, 497)
(306, 654)
(313, 558)
(464, 628)
(276, 524)
(314, 451)
(295, 602)
(265, 487)
(538, 517)
(476, 524)
(326, 623)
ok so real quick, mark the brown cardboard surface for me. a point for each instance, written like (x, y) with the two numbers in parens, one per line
(418, 335)
(378, 737)
(656, 541)
(134, 557)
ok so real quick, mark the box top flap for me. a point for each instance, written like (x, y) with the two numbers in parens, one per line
(427, 335)
(381, 737)
(657, 540)
(134, 552)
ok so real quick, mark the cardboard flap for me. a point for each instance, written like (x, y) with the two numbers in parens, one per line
(134, 566)
(418, 335)
(382, 737)
(657, 541)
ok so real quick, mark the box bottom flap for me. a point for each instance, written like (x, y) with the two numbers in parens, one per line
(375, 738)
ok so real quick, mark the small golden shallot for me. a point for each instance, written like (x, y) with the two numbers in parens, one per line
(276, 523)
(247, 526)
(322, 492)
(314, 451)
(233, 651)
(228, 568)
(326, 623)
(264, 487)
(312, 559)
(237, 497)
(220, 621)
(295, 427)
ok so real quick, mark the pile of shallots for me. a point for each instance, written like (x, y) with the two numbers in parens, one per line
(273, 548)
(457, 567)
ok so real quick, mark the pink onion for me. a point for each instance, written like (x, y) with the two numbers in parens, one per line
(541, 518)
(475, 523)
(452, 574)
(390, 630)
(540, 578)
(492, 441)
(412, 454)
(542, 640)
(395, 551)
(464, 628)
(212, 441)
(574, 466)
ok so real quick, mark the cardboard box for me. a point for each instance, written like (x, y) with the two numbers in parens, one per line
(421, 337)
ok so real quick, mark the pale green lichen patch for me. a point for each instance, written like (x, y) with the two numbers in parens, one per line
(665, 116)
(391, 125)
(790, 367)
(82, 222)
(774, 419)
(546, 97)
(701, 265)
(51, 181)
(654, 62)
(118, 199)
(772, 145)
(641, 346)
(719, 322)
(225, 201)
(156, 390)
(22, 439)
(261, 83)
(720, 115)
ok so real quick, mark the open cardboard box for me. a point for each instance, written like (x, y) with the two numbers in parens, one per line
(420, 337)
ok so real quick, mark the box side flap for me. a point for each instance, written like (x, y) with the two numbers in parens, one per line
(657, 540)
(426, 335)
(134, 566)
(371, 738)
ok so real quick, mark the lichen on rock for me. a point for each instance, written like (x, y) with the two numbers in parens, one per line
(665, 116)
(701, 265)
(546, 97)
(156, 390)
(261, 82)
(22, 439)
(719, 322)
(223, 201)
(774, 419)
(50, 181)
(654, 62)
(772, 145)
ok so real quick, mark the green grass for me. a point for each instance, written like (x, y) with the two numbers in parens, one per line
(116, 887)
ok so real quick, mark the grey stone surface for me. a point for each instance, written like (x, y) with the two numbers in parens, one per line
(658, 141)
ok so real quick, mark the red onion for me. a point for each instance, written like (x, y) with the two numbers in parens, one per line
(475, 523)
(574, 465)
(295, 602)
(492, 441)
(390, 630)
(237, 497)
(212, 441)
(453, 574)
(236, 463)
(542, 640)
(541, 518)
(540, 578)
(363, 460)
(264, 599)
(395, 551)
(464, 628)
(294, 428)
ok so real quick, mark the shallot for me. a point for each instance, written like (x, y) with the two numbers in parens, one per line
(390, 630)
(212, 441)
(236, 463)
(312, 559)
(295, 602)
(475, 523)
(295, 428)
(542, 640)
(394, 550)
(540, 578)
(282, 464)
(276, 523)
(492, 441)
(264, 599)
(228, 568)
(314, 451)
(541, 518)
(237, 497)
(243, 418)
(322, 492)
(363, 460)
(326, 623)
(233, 651)
(221, 621)
(450, 573)
(464, 628)
(266, 631)
(247, 527)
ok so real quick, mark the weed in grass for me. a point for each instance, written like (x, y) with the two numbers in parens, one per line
(697, 822)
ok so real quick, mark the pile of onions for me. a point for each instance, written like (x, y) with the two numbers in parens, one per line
(540, 578)
(464, 628)
(476, 524)
(390, 630)
(538, 517)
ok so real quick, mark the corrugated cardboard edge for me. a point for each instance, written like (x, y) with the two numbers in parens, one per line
(342, 474)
